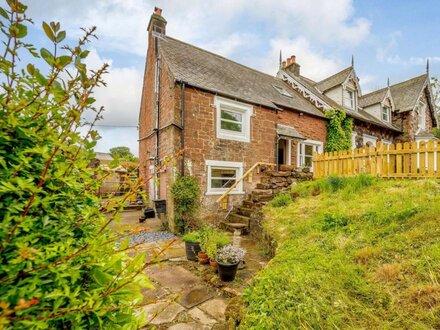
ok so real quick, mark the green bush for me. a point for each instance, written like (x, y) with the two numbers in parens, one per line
(280, 200)
(186, 195)
(212, 239)
(339, 129)
(192, 237)
(59, 265)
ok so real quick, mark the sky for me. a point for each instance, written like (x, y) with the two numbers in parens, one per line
(388, 39)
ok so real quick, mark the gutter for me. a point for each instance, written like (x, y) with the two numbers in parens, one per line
(156, 115)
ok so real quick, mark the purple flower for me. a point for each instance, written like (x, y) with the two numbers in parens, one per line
(230, 254)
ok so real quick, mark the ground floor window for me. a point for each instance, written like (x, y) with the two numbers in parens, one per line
(306, 149)
(222, 175)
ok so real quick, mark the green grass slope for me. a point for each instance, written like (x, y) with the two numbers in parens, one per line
(356, 253)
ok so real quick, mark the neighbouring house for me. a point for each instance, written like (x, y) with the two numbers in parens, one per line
(227, 116)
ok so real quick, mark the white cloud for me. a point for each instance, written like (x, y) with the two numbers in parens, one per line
(314, 64)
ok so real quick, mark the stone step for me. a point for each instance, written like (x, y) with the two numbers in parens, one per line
(262, 198)
(262, 192)
(237, 218)
(288, 168)
(248, 203)
(281, 173)
(262, 185)
(244, 211)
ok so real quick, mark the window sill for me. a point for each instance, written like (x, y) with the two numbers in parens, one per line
(231, 137)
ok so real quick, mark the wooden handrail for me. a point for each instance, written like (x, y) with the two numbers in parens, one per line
(248, 172)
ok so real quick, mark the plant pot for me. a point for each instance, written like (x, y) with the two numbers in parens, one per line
(213, 263)
(227, 272)
(192, 249)
(203, 258)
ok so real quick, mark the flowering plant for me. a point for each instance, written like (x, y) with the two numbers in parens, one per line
(230, 254)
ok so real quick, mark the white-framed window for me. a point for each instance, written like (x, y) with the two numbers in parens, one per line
(349, 100)
(305, 151)
(421, 109)
(369, 140)
(386, 114)
(233, 119)
(222, 175)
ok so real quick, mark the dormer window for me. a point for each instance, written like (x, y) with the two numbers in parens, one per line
(386, 114)
(349, 100)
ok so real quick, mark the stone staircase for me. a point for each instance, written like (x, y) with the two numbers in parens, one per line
(271, 183)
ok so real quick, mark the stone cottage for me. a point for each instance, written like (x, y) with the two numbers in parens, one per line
(227, 116)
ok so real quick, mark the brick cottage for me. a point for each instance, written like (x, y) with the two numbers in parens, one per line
(227, 116)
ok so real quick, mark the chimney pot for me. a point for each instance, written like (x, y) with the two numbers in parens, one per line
(289, 61)
(157, 22)
(158, 11)
(293, 58)
(284, 64)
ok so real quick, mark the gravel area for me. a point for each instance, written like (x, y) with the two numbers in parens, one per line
(148, 237)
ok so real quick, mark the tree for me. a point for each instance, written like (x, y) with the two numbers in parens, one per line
(339, 129)
(61, 267)
(122, 153)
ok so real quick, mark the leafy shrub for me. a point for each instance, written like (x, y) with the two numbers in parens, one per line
(211, 239)
(186, 196)
(280, 200)
(192, 237)
(339, 129)
(59, 265)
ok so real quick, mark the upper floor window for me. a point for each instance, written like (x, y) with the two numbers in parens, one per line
(349, 100)
(386, 114)
(233, 120)
(422, 115)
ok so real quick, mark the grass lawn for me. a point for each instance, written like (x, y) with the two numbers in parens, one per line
(357, 253)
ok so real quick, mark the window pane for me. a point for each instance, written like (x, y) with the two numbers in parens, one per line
(309, 150)
(223, 173)
(229, 115)
(222, 183)
(308, 161)
(231, 126)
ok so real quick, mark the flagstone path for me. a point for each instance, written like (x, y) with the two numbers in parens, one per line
(188, 295)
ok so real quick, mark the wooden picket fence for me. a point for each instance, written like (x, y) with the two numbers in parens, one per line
(401, 160)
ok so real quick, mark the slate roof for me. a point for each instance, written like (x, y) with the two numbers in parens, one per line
(335, 80)
(406, 93)
(373, 97)
(208, 71)
(289, 131)
(360, 114)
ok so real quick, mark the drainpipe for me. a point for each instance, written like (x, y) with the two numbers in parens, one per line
(156, 121)
(276, 152)
(182, 130)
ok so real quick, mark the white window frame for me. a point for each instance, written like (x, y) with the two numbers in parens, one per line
(388, 114)
(300, 151)
(238, 166)
(369, 138)
(352, 106)
(245, 110)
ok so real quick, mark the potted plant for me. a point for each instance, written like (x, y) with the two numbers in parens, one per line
(228, 258)
(192, 245)
(217, 239)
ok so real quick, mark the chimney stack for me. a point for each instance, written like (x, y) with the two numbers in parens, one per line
(157, 22)
(291, 66)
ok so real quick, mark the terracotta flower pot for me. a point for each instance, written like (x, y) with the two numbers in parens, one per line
(213, 263)
(203, 258)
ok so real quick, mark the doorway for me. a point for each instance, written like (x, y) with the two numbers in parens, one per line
(284, 151)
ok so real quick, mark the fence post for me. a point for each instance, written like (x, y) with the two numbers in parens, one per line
(379, 158)
(422, 148)
(406, 159)
(399, 159)
(414, 157)
(430, 157)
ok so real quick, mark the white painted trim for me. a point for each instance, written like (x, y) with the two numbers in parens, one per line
(353, 140)
(245, 110)
(300, 145)
(238, 166)
(369, 138)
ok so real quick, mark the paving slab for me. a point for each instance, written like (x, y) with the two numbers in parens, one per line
(162, 312)
(176, 278)
(215, 307)
(195, 296)
(201, 317)
(152, 295)
(189, 326)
